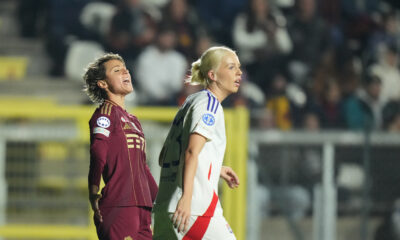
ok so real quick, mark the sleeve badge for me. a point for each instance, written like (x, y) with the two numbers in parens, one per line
(208, 119)
(103, 122)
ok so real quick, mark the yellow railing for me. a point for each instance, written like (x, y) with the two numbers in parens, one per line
(34, 231)
(233, 201)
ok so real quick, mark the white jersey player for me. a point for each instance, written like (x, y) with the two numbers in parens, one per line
(187, 204)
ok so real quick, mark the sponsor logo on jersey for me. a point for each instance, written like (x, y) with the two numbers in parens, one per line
(126, 126)
(100, 130)
(208, 119)
(103, 122)
(135, 141)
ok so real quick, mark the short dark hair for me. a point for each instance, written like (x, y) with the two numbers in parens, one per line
(95, 72)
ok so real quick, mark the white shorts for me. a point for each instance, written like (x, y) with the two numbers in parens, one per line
(206, 228)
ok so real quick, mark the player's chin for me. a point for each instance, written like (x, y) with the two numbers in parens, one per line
(235, 90)
(129, 90)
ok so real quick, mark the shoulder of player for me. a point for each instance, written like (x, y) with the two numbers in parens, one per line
(205, 101)
(105, 111)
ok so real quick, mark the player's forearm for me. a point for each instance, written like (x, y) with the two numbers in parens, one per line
(93, 190)
(94, 176)
(190, 167)
(94, 196)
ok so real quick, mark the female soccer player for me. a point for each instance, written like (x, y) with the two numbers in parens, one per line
(117, 152)
(187, 205)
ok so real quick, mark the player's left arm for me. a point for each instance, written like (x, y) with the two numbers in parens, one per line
(229, 176)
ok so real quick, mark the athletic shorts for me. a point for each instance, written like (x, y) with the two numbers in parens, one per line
(124, 223)
(206, 228)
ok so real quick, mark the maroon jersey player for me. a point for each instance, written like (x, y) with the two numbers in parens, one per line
(117, 153)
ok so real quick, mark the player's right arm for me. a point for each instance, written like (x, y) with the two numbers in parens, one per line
(182, 213)
(98, 153)
(100, 130)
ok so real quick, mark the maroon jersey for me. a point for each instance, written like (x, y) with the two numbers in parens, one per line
(117, 152)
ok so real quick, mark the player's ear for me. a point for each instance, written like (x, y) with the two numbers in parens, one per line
(102, 84)
(211, 75)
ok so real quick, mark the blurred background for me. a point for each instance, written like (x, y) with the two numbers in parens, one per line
(317, 115)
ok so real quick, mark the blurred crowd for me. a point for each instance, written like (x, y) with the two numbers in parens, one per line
(330, 64)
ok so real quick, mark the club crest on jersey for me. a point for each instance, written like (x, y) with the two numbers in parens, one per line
(208, 119)
(103, 122)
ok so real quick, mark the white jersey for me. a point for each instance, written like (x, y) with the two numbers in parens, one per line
(203, 114)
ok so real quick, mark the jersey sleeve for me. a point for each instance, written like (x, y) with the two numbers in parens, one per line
(101, 126)
(204, 117)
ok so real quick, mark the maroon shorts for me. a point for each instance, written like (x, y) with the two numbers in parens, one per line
(124, 223)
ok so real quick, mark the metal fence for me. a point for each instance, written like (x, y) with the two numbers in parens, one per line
(324, 177)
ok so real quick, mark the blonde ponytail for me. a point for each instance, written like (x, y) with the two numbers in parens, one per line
(197, 77)
(210, 60)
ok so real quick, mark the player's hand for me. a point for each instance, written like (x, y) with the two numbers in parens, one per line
(230, 177)
(94, 202)
(181, 217)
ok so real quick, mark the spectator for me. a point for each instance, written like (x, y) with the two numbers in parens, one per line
(263, 119)
(349, 72)
(394, 3)
(394, 125)
(30, 14)
(391, 116)
(364, 109)
(388, 33)
(163, 85)
(311, 122)
(278, 103)
(387, 70)
(185, 23)
(354, 9)
(358, 22)
(262, 41)
(132, 29)
(330, 106)
(310, 162)
(203, 42)
(325, 70)
(309, 35)
(218, 16)
(337, 64)
(64, 26)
